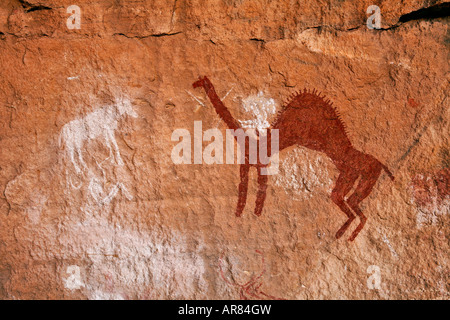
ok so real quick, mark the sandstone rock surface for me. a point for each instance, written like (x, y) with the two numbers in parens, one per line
(92, 206)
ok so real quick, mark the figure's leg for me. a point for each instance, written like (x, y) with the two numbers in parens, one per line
(243, 188)
(112, 140)
(71, 152)
(362, 191)
(111, 155)
(78, 148)
(343, 186)
(261, 196)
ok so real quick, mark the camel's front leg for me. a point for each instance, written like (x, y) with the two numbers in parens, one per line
(243, 189)
(262, 190)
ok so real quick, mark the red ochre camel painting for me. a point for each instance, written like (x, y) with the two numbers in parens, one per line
(309, 120)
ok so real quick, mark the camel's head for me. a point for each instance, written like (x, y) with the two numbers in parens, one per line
(201, 82)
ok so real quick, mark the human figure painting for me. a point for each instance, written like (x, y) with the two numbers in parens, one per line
(309, 120)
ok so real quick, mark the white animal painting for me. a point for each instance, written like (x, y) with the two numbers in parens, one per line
(101, 123)
(102, 196)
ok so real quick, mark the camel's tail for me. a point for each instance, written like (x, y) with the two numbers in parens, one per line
(388, 171)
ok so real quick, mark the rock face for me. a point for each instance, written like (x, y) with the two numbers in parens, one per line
(92, 205)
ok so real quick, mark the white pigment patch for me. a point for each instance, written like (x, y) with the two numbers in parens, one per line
(302, 173)
(261, 108)
(34, 211)
(429, 212)
(391, 249)
(133, 260)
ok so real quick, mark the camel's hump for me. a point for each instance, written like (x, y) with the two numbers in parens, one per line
(312, 101)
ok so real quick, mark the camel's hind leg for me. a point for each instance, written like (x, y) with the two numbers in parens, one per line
(243, 189)
(362, 191)
(343, 186)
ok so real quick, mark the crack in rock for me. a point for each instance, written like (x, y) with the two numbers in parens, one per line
(154, 35)
(29, 7)
(441, 10)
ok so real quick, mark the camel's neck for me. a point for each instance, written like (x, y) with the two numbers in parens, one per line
(221, 110)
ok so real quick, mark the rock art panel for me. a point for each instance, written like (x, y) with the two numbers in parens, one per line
(310, 121)
(95, 94)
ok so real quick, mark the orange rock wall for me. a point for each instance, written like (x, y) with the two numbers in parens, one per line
(92, 205)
